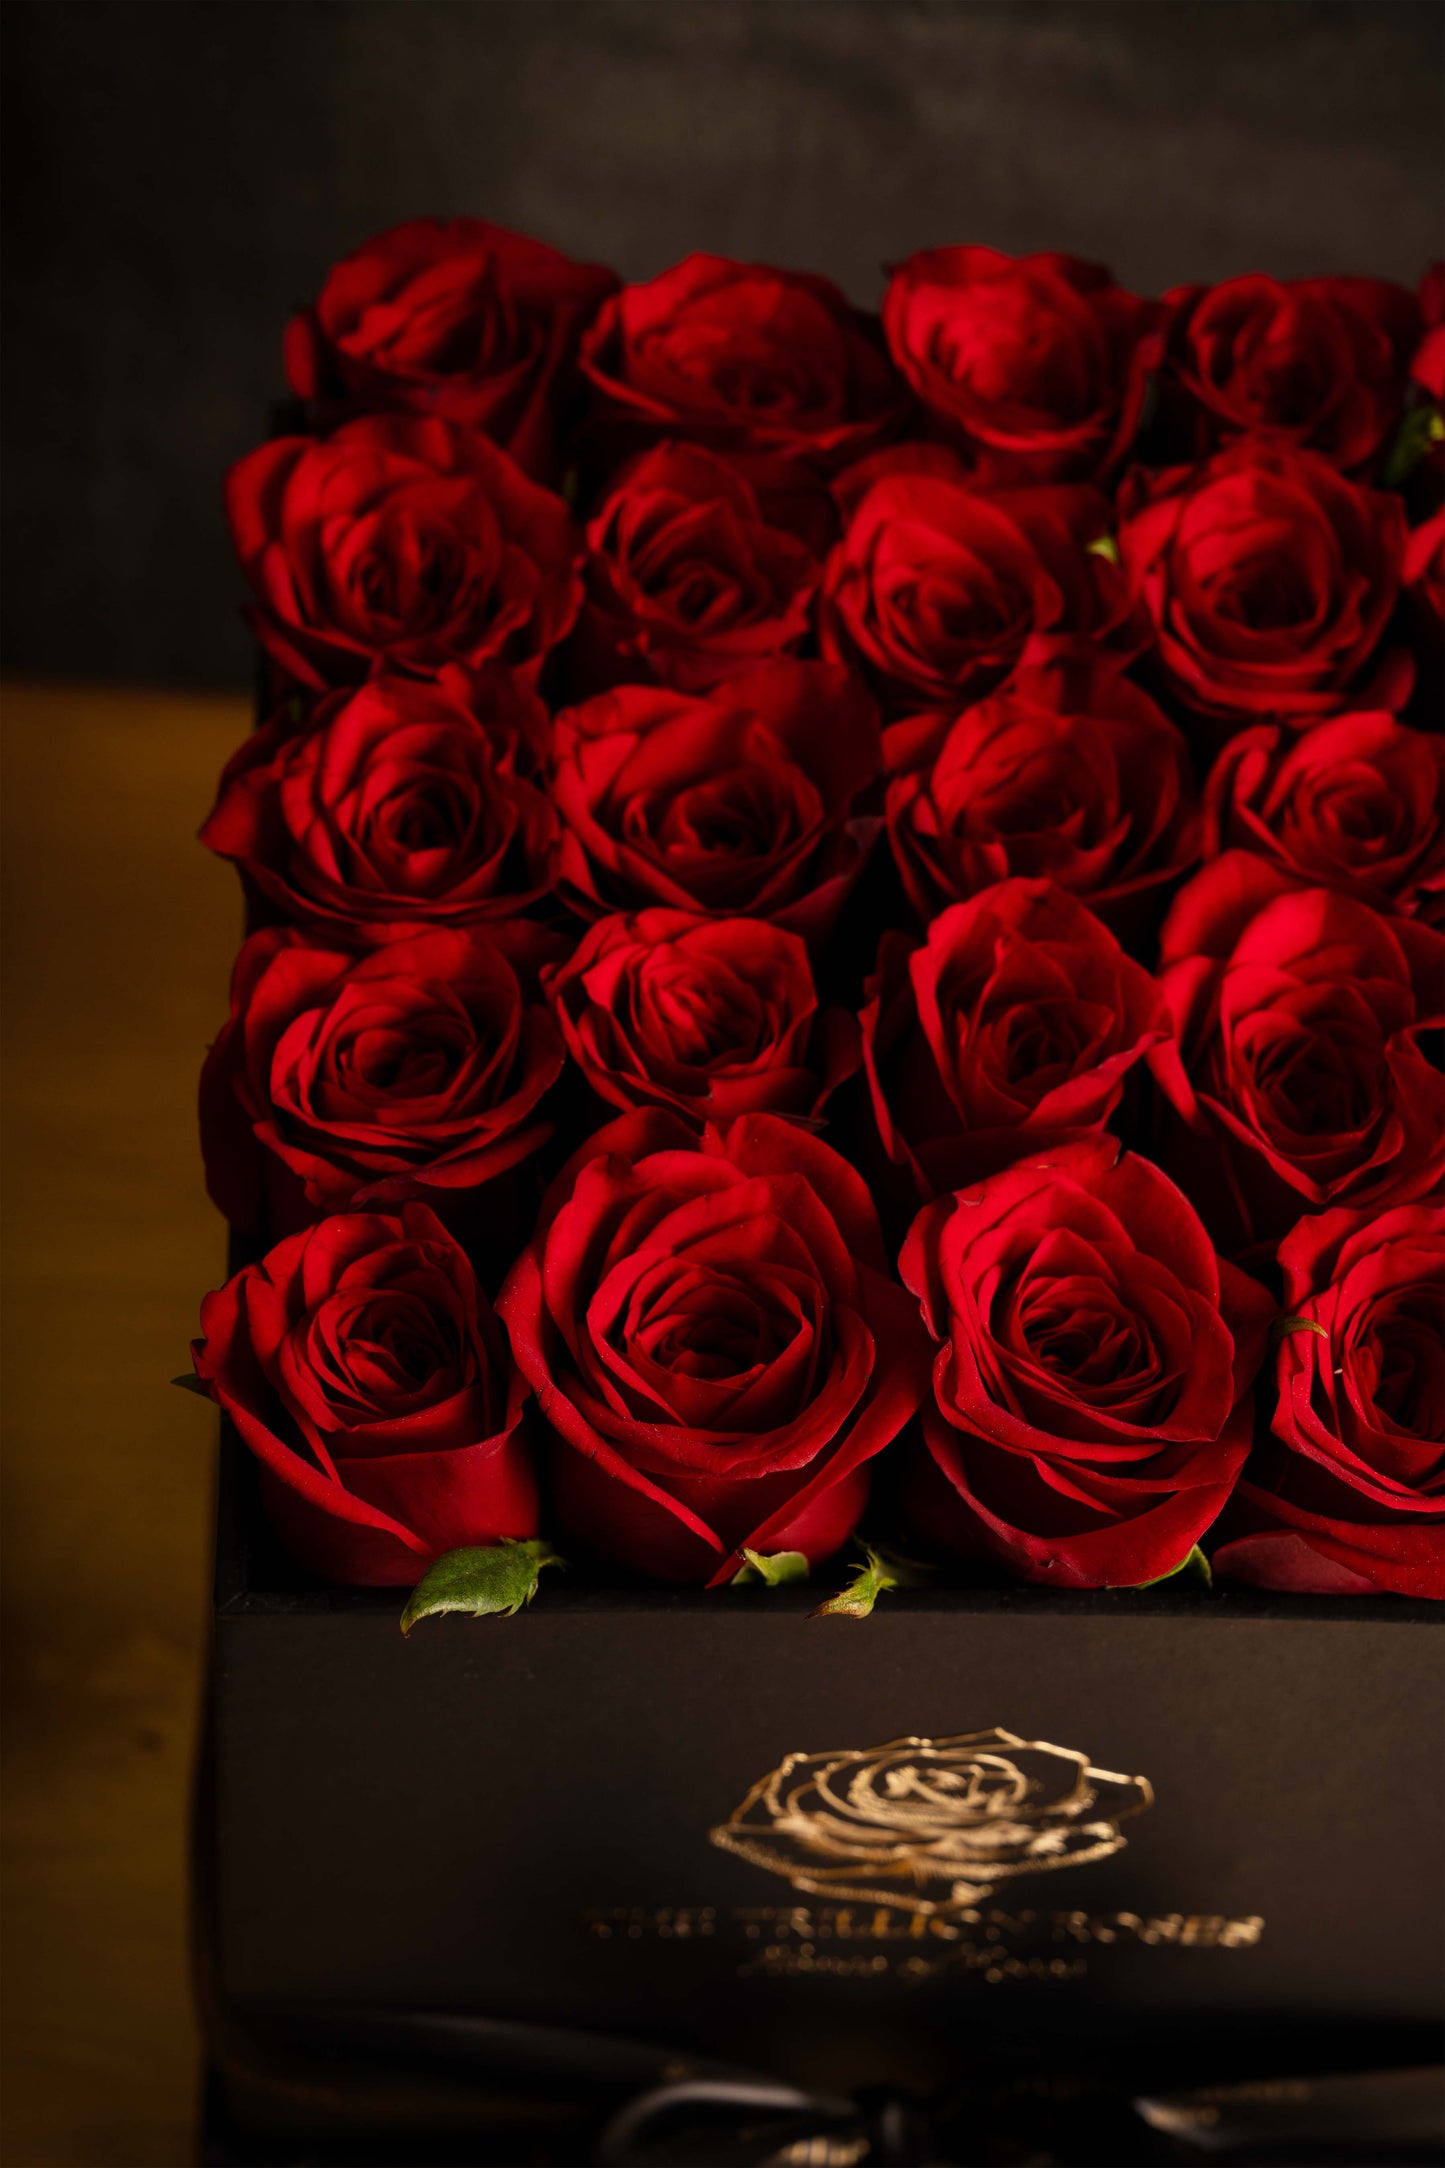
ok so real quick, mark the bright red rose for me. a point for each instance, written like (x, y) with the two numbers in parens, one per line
(1013, 1027)
(1070, 775)
(362, 1365)
(415, 1069)
(1270, 579)
(395, 808)
(454, 318)
(742, 358)
(1035, 367)
(738, 804)
(1091, 1393)
(712, 1334)
(1427, 368)
(1301, 1072)
(400, 544)
(1350, 1500)
(1319, 363)
(1354, 803)
(688, 581)
(707, 1018)
(938, 591)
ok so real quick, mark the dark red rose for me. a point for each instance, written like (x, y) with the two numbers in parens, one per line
(1034, 366)
(400, 544)
(1070, 775)
(1270, 579)
(415, 1069)
(1424, 570)
(707, 1018)
(1349, 1499)
(1319, 363)
(1092, 1387)
(395, 808)
(1013, 1027)
(712, 1334)
(738, 804)
(745, 359)
(1300, 1016)
(362, 1365)
(1354, 803)
(455, 318)
(1427, 367)
(938, 591)
(688, 582)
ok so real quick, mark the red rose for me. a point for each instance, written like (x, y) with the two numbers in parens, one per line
(1319, 363)
(707, 1018)
(362, 1365)
(403, 544)
(1424, 571)
(1070, 775)
(1427, 368)
(415, 1068)
(1092, 1387)
(1351, 1499)
(1354, 803)
(711, 1332)
(395, 808)
(1011, 1028)
(938, 591)
(742, 358)
(455, 318)
(739, 804)
(688, 582)
(1301, 1072)
(1270, 579)
(1034, 366)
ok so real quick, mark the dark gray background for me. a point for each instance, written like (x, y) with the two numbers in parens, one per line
(180, 173)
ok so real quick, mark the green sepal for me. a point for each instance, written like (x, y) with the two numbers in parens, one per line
(486, 1581)
(1194, 1567)
(190, 1383)
(777, 1570)
(1284, 1325)
(1103, 545)
(879, 1570)
(1422, 427)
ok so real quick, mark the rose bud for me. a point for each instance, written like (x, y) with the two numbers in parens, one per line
(1349, 1497)
(416, 1069)
(363, 1367)
(403, 544)
(1300, 1070)
(741, 358)
(1319, 363)
(1427, 364)
(395, 808)
(738, 804)
(1091, 1403)
(1035, 367)
(688, 583)
(708, 1018)
(938, 590)
(1270, 580)
(1013, 1026)
(454, 318)
(1353, 803)
(1069, 774)
(712, 1334)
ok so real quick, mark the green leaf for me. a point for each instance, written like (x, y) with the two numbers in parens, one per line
(878, 1570)
(1295, 1324)
(1194, 1567)
(777, 1570)
(190, 1383)
(490, 1580)
(1104, 545)
(1422, 427)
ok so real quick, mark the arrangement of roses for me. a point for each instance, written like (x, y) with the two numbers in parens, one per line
(846, 927)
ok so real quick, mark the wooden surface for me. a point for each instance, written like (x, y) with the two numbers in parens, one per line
(119, 931)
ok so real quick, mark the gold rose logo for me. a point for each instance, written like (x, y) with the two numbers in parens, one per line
(892, 1823)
